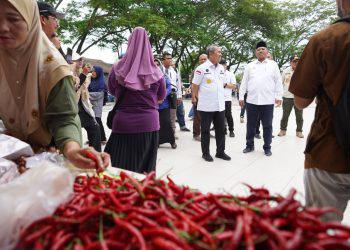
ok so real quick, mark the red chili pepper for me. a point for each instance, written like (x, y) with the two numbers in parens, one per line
(296, 241)
(93, 157)
(134, 231)
(62, 241)
(166, 233)
(281, 206)
(161, 243)
(34, 236)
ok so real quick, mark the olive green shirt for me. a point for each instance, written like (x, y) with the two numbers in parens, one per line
(61, 115)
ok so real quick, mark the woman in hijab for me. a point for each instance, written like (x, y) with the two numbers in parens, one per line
(37, 98)
(166, 132)
(138, 86)
(96, 89)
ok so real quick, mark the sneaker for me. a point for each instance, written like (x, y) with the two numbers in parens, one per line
(185, 129)
(223, 156)
(257, 136)
(197, 138)
(282, 133)
(232, 134)
(300, 134)
(207, 157)
(267, 152)
(242, 119)
(173, 145)
(248, 150)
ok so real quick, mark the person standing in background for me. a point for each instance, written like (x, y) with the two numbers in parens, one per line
(138, 84)
(171, 74)
(96, 91)
(208, 92)
(263, 83)
(166, 133)
(197, 118)
(288, 101)
(230, 84)
(180, 109)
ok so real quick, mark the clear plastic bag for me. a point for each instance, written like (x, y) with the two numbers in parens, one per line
(35, 194)
(11, 148)
(8, 171)
(55, 158)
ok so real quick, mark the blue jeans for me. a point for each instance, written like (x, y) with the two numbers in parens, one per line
(180, 114)
(265, 112)
(191, 113)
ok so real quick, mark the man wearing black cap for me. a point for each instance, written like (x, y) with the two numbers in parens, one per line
(263, 83)
(49, 18)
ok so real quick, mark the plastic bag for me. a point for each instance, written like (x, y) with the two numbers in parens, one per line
(11, 148)
(55, 158)
(8, 171)
(35, 194)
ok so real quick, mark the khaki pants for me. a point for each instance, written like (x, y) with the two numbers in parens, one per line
(325, 189)
(288, 104)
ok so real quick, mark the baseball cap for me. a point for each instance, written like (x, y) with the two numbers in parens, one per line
(47, 9)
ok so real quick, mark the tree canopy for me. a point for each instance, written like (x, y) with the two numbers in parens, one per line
(186, 27)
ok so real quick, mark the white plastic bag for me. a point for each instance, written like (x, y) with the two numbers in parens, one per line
(55, 158)
(8, 171)
(35, 194)
(11, 148)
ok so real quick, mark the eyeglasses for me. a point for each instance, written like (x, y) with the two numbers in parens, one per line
(53, 18)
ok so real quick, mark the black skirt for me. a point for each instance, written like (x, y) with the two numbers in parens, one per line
(134, 152)
(166, 133)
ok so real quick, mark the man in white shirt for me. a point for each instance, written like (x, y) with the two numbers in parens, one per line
(288, 101)
(263, 83)
(229, 85)
(208, 92)
(172, 75)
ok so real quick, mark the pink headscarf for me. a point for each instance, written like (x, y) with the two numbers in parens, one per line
(137, 70)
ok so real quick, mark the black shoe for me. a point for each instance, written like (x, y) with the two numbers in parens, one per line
(207, 157)
(273, 136)
(185, 129)
(223, 156)
(173, 145)
(257, 136)
(248, 150)
(212, 129)
(268, 152)
(232, 134)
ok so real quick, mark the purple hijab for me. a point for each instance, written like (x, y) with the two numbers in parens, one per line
(137, 70)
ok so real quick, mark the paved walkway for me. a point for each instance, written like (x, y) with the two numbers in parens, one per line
(280, 172)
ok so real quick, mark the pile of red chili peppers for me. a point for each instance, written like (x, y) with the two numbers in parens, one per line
(108, 213)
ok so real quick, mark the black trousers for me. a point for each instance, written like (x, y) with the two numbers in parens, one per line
(265, 113)
(102, 129)
(92, 128)
(228, 115)
(218, 118)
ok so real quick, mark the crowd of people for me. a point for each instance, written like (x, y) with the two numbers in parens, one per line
(47, 97)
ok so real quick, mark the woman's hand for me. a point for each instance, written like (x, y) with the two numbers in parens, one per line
(87, 158)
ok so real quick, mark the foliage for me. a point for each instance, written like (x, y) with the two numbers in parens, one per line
(187, 27)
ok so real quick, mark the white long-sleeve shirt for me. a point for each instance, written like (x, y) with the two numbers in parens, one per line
(263, 83)
(174, 80)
